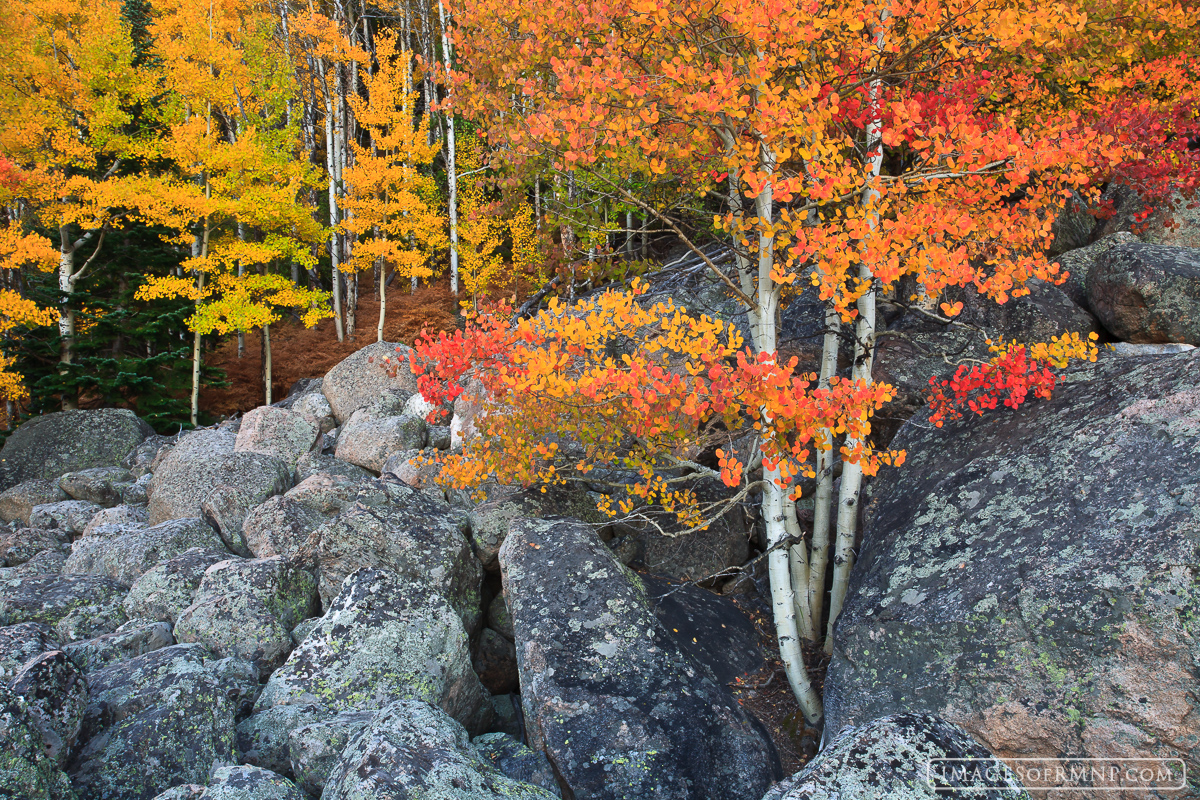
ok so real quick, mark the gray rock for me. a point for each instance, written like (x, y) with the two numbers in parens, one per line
(288, 525)
(226, 507)
(467, 407)
(395, 528)
(506, 715)
(893, 758)
(708, 627)
(45, 562)
(311, 464)
(51, 598)
(125, 558)
(696, 556)
(238, 626)
(283, 527)
(134, 638)
(409, 468)
(50, 445)
(316, 748)
(56, 695)
(249, 783)
(303, 629)
(117, 521)
(240, 682)
(137, 493)
(498, 618)
(71, 516)
(17, 547)
(248, 608)
(383, 637)
(316, 409)
(152, 722)
(141, 459)
(19, 643)
(1148, 293)
(923, 348)
(610, 699)
(262, 738)
(368, 439)
(17, 501)
(1183, 232)
(88, 622)
(286, 591)
(27, 772)
(495, 663)
(203, 463)
(184, 791)
(164, 591)
(359, 379)
(1078, 264)
(328, 494)
(100, 485)
(1139, 350)
(1072, 227)
(286, 435)
(414, 750)
(439, 437)
(1031, 575)
(514, 760)
(488, 522)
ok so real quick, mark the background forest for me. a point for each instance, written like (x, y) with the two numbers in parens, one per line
(174, 174)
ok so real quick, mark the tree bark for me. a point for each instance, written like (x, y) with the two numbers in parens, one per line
(451, 167)
(266, 360)
(864, 356)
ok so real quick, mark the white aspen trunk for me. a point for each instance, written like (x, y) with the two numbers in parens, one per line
(629, 235)
(798, 563)
(66, 316)
(195, 377)
(824, 494)
(331, 171)
(382, 301)
(241, 270)
(774, 511)
(266, 337)
(451, 170)
(864, 353)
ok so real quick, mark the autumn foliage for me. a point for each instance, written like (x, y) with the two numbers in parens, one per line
(608, 382)
(1015, 372)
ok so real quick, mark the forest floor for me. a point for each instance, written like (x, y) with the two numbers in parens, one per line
(298, 352)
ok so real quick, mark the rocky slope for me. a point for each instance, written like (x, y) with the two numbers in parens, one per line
(283, 607)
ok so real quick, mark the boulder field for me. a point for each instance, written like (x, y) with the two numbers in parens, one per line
(283, 607)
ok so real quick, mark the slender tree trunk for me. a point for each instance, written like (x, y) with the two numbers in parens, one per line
(66, 316)
(266, 362)
(195, 377)
(241, 270)
(775, 491)
(798, 563)
(451, 170)
(824, 467)
(331, 170)
(351, 304)
(382, 302)
(537, 204)
(864, 352)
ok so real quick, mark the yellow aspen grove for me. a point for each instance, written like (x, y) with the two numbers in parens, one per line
(66, 95)
(236, 195)
(392, 200)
